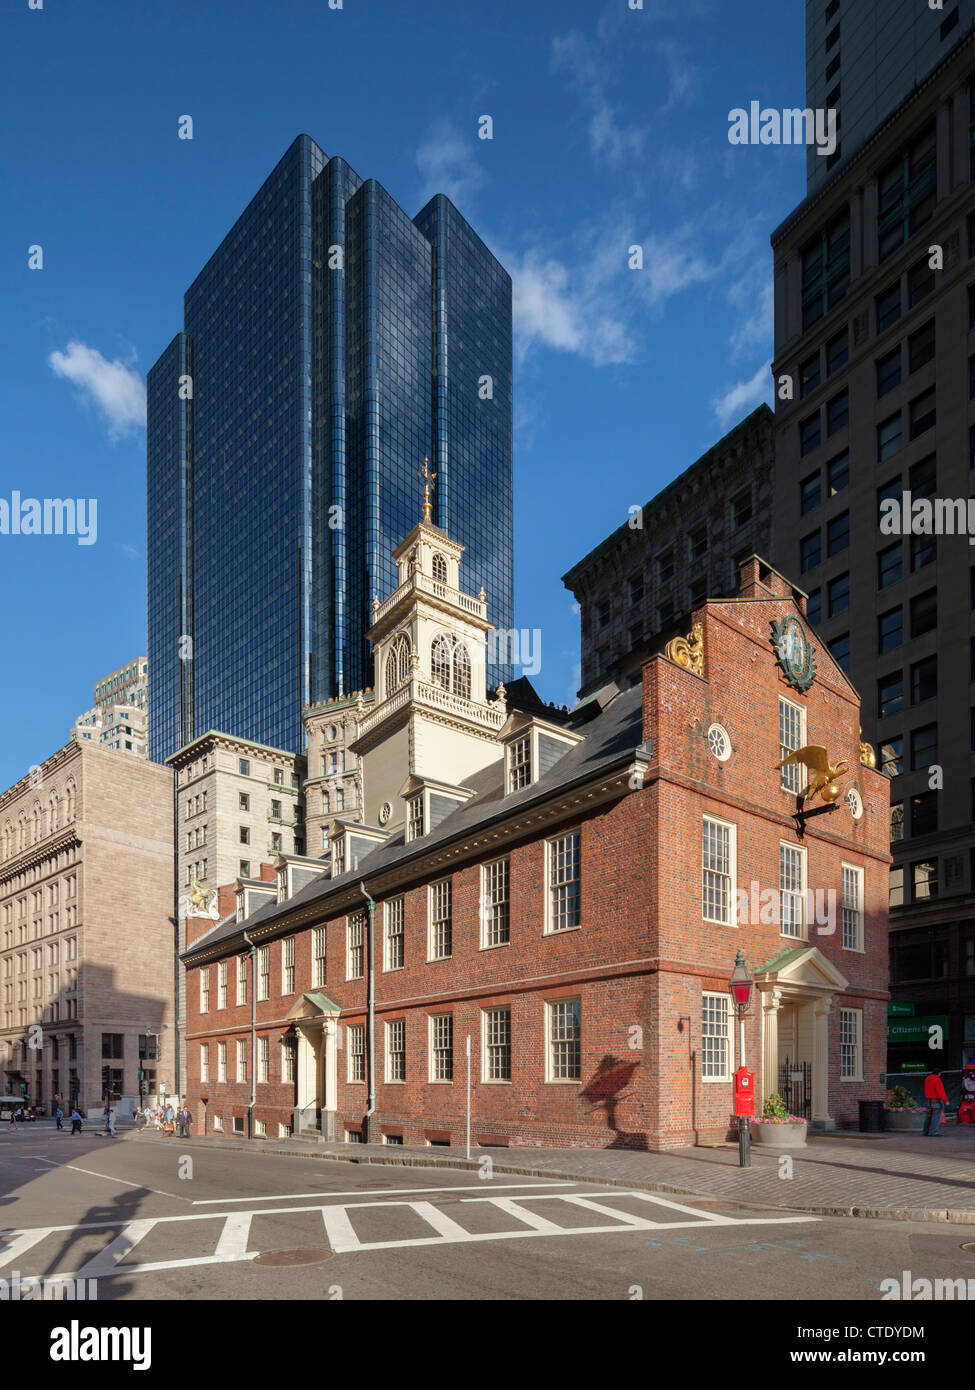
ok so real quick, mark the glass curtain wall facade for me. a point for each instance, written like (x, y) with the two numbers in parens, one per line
(331, 343)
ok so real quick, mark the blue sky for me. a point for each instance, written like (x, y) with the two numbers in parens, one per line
(610, 130)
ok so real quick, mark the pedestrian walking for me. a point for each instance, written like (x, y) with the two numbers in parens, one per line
(934, 1094)
(59, 1116)
(111, 1121)
(14, 1116)
(170, 1124)
(75, 1122)
(185, 1119)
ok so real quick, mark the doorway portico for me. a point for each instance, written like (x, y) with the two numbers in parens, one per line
(314, 1017)
(797, 988)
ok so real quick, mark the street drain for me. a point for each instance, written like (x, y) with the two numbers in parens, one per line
(969, 1246)
(314, 1256)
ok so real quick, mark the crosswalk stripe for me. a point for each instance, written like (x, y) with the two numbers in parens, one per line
(713, 1218)
(440, 1221)
(232, 1244)
(638, 1223)
(530, 1218)
(338, 1228)
(13, 1244)
(106, 1260)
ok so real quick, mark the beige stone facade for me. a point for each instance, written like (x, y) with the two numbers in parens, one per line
(86, 894)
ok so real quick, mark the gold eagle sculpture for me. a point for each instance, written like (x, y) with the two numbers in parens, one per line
(822, 773)
(199, 896)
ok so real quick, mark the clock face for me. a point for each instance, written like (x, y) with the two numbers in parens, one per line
(795, 652)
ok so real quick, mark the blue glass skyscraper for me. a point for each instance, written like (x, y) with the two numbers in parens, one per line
(329, 345)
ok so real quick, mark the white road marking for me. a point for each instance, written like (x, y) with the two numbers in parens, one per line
(395, 1192)
(139, 1186)
(231, 1246)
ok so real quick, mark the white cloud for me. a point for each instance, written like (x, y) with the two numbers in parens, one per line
(588, 75)
(117, 390)
(757, 326)
(447, 163)
(743, 397)
(568, 311)
(670, 265)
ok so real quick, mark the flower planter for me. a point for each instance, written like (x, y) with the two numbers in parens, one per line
(905, 1121)
(772, 1135)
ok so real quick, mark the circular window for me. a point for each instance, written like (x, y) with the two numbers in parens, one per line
(855, 803)
(719, 742)
(385, 812)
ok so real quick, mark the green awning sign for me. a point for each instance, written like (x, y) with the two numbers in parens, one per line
(897, 1009)
(916, 1029)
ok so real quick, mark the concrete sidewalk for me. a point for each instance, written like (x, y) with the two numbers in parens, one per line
(894, 1177)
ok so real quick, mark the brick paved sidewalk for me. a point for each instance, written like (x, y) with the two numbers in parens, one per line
(900, 1177)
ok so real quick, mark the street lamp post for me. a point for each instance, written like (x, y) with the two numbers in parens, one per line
(740, 989)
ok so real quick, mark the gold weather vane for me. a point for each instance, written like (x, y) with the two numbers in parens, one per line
(428, 478)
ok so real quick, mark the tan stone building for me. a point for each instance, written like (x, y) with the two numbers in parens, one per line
(117, 718)
(86, 893)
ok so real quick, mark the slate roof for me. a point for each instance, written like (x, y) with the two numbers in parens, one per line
(610, 739)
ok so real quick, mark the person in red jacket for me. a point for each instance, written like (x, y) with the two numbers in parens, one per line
(934, 1093)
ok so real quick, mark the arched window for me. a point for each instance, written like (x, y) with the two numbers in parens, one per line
(462, 671)
(22, 830)
(7, 836)
(441, 663)
(325, 803)
(440, 569)
(69, 796)
(37, 823)
(54, 808)
(398, 663)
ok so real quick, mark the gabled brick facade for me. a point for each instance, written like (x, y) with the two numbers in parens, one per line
(648, 971)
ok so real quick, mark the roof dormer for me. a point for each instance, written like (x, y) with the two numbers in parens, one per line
(531, 747)
(429, 802)
(252, 894)
(296, 871)
(352, 842)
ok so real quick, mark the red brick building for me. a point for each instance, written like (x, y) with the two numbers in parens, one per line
(571, 900)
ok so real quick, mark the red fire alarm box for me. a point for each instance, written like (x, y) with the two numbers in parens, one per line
(744, 1092)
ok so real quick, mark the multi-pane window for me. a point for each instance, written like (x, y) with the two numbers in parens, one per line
(355, 934)
(520, 763)
(922, 413)
(564, 1040)
(205, 990)
(441, 1047)
(288, 1059)
(837, 351)
(837, 474)
(838, 412)
(925, 877)
(715, 1037)
(495, 904)
(838, 592)
(263, 972)
(393, 946)
(263, 1058)
(924, 680)
(850, 1029)
(241, 979)
(440, 899)
(810, 434)
(890, 694)
(496, 1048)
(241, 1059)
(889, 372)
(414, 817)
(792, 870)
(396, 1050)
(717, 872)
(288, 965)
(564, 905)
(810, 551)
(825, 270)
(356, 1036)
(792, 735)
(204, 1062)
(890, 629)
(810, 493)
(906, 194)
(921, 346)
(318, 957)
(221, 1061)
(890, 565)
(838, 533)
(888, 307)
(852, 908)
(222, 985)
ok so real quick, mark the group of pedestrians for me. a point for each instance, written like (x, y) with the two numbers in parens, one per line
(167, 1119)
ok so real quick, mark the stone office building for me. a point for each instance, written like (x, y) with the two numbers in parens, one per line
(637, 587)
(567, 892)
(86, 891)
(875, 416)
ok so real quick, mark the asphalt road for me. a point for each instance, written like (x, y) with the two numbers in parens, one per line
(153, 1217)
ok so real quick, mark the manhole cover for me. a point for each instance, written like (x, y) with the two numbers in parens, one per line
(314, 1256)
(969, 1246)
(371, 1187)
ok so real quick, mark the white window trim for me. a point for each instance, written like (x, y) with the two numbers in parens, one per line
(352, 918)
(858, 1015)
(551, 1080)
(431, 1079)
(732, 1021)
(857, 870)
(431, 891)
(494, 1080)
(387, 935)
(732, 827)
(802, 891)
(399, 1081)
(548, 929)
(801, 711)
(483, 943)
(361, 1030)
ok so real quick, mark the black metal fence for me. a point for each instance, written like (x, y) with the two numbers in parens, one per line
(795, 1087)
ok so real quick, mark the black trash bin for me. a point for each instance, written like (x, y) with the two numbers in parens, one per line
(871, 1116)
